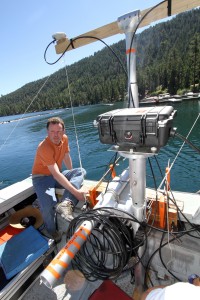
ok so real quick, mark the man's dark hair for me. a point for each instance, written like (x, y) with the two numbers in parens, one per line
(55, 120)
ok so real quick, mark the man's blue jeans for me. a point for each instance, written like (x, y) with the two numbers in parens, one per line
(45, 189)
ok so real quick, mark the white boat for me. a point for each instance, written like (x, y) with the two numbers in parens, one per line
(165, 96)
(175, 100)
(149, 100)
(129, 230)
(191, 95)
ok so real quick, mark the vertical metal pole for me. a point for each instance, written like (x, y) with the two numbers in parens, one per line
(137, 163)
(138, 180)
(128, 24)
(137, 169)
(133, 87)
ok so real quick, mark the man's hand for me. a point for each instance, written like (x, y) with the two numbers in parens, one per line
(81, 195)
(196, 281)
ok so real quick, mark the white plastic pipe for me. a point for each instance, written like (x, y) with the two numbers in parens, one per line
(62, 260)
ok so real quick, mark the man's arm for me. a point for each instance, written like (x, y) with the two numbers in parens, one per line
(68, 161)
(58, 176)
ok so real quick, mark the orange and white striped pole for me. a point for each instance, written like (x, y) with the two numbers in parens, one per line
(62, 260)
(167, 172)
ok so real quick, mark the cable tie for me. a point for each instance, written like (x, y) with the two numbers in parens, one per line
(192, 277)
(72, 43)
(169, 8)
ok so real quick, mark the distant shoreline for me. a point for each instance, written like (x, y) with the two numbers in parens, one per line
(24, 118)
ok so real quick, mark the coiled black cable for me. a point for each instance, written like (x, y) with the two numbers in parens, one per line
(109, 246)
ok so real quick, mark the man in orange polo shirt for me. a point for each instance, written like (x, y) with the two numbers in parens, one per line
(47, 175)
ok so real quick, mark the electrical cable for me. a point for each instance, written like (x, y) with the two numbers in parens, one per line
(193, 236)
(110, 245)
(133, 36)
(154, 179)
(153, 254)
(157, 162)
(71, 43)
(160, 255)
(187, 142)
(174, 202)
(174, 232)
(176, 236)
(193, 226)
(172, 132)
(196, 227)
(84, 37)
(105, 241)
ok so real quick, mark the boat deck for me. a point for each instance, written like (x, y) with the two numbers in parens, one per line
(189, 203)
(82, 289)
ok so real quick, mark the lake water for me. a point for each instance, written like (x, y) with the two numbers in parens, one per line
(21, 134)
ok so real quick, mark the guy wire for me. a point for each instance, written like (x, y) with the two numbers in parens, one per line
(24, 113)
(77, 142)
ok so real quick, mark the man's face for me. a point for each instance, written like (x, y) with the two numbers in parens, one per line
(55, 133)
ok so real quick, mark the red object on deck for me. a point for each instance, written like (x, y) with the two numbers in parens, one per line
(107, 291)
(8, 232)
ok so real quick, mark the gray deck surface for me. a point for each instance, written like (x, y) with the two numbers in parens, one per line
(82, 290)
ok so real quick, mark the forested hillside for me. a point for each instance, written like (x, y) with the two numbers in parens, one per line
(168, 59)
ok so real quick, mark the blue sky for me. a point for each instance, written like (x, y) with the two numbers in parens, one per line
(26, 28)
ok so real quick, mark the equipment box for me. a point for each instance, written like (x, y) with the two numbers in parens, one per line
(136, 127)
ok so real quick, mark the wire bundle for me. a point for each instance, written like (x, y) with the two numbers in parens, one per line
(108, 248)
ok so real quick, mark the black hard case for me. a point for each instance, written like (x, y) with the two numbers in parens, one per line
(137, 127)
